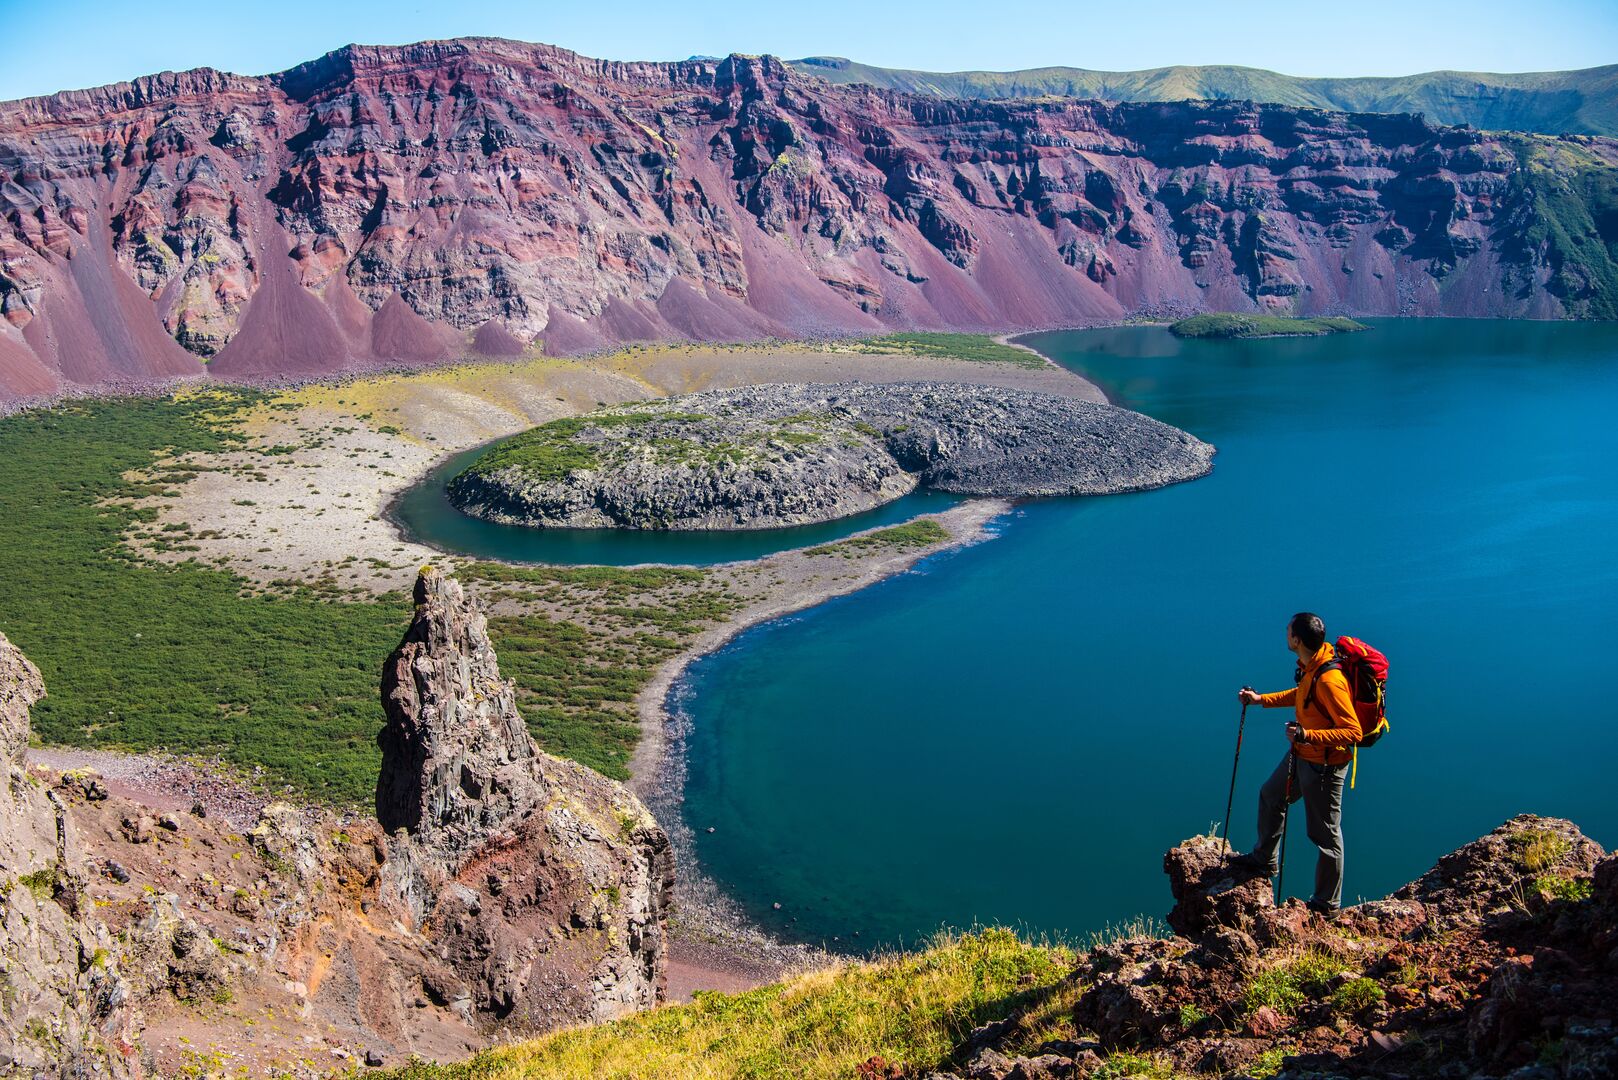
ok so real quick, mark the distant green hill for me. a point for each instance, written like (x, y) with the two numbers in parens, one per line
(1584, 102)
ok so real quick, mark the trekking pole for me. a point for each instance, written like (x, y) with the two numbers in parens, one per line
(1286, 806)
(1224, 839)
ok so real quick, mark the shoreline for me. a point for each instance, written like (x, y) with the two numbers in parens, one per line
(721, 943)
(330, 504)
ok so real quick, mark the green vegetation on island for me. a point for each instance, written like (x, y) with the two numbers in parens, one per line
(912, 534)
(1229, 324)
(555, 450)
(192, 659)
(976, 348)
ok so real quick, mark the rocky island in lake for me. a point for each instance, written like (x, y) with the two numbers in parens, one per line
(768, 456)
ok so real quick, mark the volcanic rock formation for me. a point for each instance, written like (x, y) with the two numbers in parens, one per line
(766, 456)
(516, 893)
(543, 885)
(1501, 960)
(64, 1005)
(407, 205)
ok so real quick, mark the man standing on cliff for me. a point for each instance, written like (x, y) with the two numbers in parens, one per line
(1324, 732)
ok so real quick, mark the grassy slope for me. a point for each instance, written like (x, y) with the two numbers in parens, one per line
(194, 660)
(1584, 102)
(1573, 193)
(912, 1009)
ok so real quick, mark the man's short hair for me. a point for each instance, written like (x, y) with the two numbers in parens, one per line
(1308, 628)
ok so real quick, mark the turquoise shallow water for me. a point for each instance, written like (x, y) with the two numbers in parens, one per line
(1016, 731)
(428, 516)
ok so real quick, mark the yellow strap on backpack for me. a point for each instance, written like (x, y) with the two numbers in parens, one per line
(1354, 762)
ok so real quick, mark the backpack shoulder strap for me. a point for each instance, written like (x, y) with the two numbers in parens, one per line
(1314, 681)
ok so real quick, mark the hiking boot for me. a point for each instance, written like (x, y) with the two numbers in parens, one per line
(1325, 911)
(1252, 864)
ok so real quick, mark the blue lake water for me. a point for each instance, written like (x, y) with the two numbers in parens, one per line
(428, 516)
(1016, 731)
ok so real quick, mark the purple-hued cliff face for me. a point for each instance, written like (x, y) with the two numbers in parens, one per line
(414, 204)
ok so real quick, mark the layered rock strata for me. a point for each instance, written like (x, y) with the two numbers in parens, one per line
(543, 885)
(405, 205)
(767, 456)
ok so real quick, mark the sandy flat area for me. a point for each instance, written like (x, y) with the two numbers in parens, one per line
(306, 498)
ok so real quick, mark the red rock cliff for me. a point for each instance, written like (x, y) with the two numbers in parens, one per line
(412, 204)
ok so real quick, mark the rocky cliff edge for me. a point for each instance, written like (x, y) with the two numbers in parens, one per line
(1500, 961)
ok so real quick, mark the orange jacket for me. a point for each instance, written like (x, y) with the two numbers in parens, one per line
(1331, 727)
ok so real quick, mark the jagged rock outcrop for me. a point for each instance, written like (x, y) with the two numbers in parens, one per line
(516, 893)
(1486, 880)
(63, 1009)
(1209, 894)
(1504, 955)
(544, 886)
(766, 456)
(404, 205)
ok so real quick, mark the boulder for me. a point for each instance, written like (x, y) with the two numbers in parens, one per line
(1211, 894)
(284, 841)
(544, 886)
(170, 952)
(1136, 989)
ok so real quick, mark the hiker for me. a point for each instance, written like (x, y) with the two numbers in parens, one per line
(1324, 731)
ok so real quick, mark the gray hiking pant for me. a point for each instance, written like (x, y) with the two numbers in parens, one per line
(1321, 789)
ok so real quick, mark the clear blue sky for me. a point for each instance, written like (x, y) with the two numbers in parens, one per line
(48, 45)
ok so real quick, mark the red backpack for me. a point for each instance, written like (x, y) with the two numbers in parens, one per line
(1366, 670)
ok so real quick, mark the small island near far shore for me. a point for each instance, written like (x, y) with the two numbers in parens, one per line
(1231, 324)
(767, 456)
